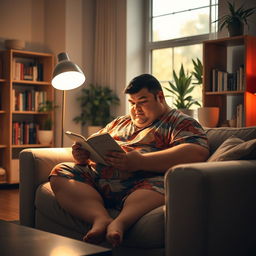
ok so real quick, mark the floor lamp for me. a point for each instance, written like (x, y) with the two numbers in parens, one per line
(66, 76)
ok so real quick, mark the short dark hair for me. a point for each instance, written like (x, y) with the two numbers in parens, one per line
(143, 81)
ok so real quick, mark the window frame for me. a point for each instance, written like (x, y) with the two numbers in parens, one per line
(172, 43)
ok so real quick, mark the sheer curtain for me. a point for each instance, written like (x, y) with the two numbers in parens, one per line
(105, 57)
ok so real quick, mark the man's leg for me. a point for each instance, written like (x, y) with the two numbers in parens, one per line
(135, 206)
(84, 202)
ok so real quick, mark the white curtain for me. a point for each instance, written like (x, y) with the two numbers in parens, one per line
(105, 43)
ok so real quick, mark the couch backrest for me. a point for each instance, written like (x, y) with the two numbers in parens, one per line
(218, 135)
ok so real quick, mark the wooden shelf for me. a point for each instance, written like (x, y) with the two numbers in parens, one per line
(228, 55)
(16, 112)
(29, 82)
(25, 95)
(32, 146)
(224, 92)
(29, 54)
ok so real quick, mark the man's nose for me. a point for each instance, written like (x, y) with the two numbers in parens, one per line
(137, 106)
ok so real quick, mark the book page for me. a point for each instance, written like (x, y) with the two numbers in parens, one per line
(94, 156)
(98, 145)
(104, 143)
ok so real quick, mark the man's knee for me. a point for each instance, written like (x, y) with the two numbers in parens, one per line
(57, 183)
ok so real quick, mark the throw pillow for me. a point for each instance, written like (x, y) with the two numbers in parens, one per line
(234, 149)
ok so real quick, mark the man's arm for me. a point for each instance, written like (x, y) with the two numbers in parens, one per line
(159, 161)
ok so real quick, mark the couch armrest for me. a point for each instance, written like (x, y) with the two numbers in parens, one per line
(35, 166)
(211, 208)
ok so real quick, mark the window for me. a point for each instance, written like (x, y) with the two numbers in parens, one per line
(177, 29)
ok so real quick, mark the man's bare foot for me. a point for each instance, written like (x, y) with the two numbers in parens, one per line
(115, 233)
(98, 231)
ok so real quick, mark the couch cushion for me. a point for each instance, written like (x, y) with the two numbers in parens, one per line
(234, 149)
(48, 207)
(148, 231)
(217, 136)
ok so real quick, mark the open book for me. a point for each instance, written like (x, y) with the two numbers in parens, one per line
(98, 145)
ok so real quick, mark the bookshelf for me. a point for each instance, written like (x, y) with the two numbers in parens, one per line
(229, 79)
(25, 82)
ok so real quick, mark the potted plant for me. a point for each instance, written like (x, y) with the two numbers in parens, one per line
(45, 132)
(95, 102)
(198, 71)
(181, 89)
(236, 19)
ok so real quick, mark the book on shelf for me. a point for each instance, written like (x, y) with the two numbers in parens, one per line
(24, 133)
(27, 69)
(28, 100)
(98, 145)
(224, 81)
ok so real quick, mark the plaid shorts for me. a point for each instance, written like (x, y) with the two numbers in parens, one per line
(112, 189)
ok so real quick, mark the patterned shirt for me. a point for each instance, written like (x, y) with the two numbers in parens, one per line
(171, 129)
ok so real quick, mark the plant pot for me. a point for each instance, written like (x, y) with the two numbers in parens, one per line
(189, 112)
(208, 116)
(45, 136)
(236, 28)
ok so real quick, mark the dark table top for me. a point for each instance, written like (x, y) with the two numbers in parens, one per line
(20, 240)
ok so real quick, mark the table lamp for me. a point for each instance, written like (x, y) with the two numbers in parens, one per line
(66, 76)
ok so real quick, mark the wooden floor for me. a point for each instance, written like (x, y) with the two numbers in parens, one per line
(9, 202)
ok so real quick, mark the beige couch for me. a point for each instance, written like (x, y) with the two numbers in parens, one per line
(210, 207)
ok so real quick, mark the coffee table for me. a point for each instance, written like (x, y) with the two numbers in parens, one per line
(20, 240)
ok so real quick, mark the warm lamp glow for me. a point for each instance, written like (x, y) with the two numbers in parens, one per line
(67, 75)
(68, 80)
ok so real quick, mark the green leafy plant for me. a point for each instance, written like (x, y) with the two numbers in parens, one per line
(181, 89)
(95, 103)
(47, 106)
(238, 15)
(198, 71)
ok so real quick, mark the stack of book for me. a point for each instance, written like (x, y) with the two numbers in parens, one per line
(27, 70)
(28, 100)
(224, 81)
(24, 133)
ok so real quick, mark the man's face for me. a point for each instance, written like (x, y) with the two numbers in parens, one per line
(145, 107)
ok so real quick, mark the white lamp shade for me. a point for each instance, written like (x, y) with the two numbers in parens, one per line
(67, 75)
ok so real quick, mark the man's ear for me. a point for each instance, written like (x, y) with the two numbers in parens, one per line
(160, 96)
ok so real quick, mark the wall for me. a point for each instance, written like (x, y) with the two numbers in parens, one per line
(22, 20)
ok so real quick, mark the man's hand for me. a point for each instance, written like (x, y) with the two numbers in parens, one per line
(125, 161)
(80, 154)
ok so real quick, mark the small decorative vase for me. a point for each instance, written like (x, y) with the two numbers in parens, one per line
(45, 136)
(208, 116)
